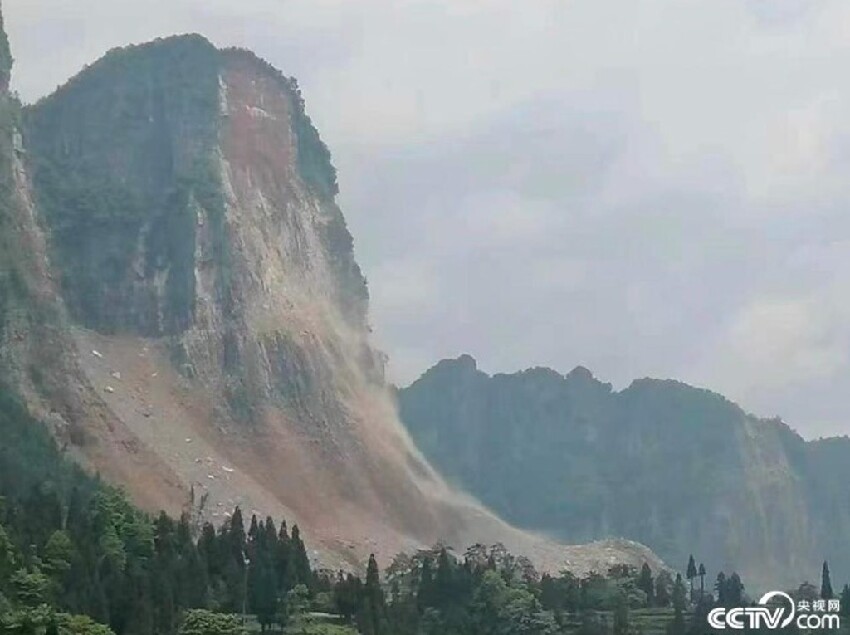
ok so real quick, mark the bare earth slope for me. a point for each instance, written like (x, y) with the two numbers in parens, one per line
(207, 325)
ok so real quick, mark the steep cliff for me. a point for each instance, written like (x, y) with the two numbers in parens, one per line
(38, 355)
(205, 324)
(680, 469)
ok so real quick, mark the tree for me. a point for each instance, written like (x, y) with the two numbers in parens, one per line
(663, 589)
(720, 589)
(44, 620)
(371, 618)
(295, 604)
(645, 584)
(191, 572)
(31, 589)
(78, 625)
(677, 626)
(621, 615)
(262, 583)
(845, 601)
(202, 622)
(284, 563)
(691, 573)
(498, 608)
(235, 569)
(735, 590)
(443, 580)
(552, 596)
(679, 598)
(701, 574)
(253, 534)
(298, 552)
(426, 593)
(346, 596)
(8, 558)
(58, 553)
(826, 584)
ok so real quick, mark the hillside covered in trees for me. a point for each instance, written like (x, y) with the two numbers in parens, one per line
(677, 468)
(77, 558)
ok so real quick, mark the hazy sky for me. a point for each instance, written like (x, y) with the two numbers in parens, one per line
(646, 188)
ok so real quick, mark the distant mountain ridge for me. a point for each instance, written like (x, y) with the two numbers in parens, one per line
(680, 469)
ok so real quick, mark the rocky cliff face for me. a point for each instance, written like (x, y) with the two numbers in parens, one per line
(38, 355)
(202, 323)
(185, 221)
(680, 469)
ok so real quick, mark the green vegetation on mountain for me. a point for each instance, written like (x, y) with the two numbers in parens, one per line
(22, 307)
(117, 217)
(126, 167)
(12, 285)
(70, 545)
(76, 557)
(668, 465)
(5, 57)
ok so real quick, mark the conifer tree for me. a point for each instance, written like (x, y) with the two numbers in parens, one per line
(425, 597)
(621, 615)
(347, 595)
(691, 573)
(663, 589)
(371, 618)
(192, 577)
(845, 601)
(235, 570)
(826, 592)
(443, 580)
(208, 549)
(720, 589)
(236, 535)
(165, 568)
(735, 590)
(645, 583)
(284, 563)
(678, 626)
(301, 561)
(270, 534)
(263, 589)
(679, 599)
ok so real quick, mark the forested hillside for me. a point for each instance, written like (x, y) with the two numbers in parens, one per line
(677, 468)
(70, 544)
(77, 558)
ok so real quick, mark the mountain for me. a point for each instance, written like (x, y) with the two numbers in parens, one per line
(680, 469)
(181, 307)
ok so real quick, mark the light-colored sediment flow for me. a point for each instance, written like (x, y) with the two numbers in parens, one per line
(173, 418)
